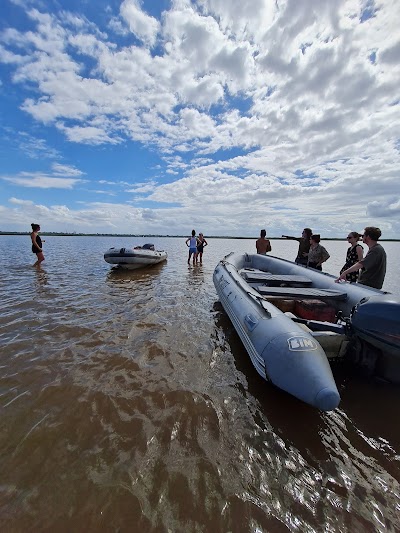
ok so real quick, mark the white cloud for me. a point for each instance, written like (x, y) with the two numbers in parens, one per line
(17, 201)
(41, 181)
(143, 188)
(387, 209)
(8, 57)
(141, 24)
(282, 106)
(87, 134)
(34, 147)
(65, 170)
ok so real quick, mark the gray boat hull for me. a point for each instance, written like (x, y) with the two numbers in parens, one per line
(281, 349)
(134, 258)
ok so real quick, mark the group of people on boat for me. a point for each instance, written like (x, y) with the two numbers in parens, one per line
(369, 270)
(196, 247)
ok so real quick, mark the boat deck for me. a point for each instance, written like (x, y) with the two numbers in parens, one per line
(288, 286)
(277, 280)
(285, 291)
(302, 293)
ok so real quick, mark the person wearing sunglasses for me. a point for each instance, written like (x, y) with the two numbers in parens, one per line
(304, 246)
(354, 254)
(373, 265)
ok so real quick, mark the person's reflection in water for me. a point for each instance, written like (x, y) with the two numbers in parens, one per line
(196, 275)
(41, 277)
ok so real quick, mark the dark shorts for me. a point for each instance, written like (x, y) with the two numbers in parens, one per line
(301, 260)
(314, 265)
(200, 249)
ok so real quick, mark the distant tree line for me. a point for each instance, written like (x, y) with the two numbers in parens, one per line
(150, 236)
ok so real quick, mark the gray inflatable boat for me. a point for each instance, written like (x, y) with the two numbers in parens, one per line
(133, 258)
(291, 319)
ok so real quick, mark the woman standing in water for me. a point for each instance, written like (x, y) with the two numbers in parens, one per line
(37, 244)
(191, 243)
(317, 254)
(304, 246)
(201, 243)
(354, 254)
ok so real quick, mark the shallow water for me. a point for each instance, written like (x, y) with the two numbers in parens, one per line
(129, 404)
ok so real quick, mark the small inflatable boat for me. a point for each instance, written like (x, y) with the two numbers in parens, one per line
(292, 319)
(137, 257)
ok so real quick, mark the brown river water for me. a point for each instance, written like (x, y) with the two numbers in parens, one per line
(128, 404)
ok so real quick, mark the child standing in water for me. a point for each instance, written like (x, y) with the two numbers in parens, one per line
(37, 244)
(191, 242)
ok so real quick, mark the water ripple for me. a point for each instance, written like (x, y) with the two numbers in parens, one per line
(129, 403)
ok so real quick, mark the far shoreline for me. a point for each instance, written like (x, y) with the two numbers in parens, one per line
(153, 236)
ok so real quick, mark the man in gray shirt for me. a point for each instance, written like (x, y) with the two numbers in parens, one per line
(373, 265)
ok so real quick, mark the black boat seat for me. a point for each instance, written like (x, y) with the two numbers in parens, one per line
(302, 293)
(276, 280)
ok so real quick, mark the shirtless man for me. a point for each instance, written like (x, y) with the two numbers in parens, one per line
(262, 244)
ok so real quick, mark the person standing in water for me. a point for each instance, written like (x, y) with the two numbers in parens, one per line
(373, 265)
(262, 244)
(191, 243)
(37, 244)
(317, 253)
(304, 246)
(354, 254)
(201, 243)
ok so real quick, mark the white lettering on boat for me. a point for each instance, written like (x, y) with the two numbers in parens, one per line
(302, 344)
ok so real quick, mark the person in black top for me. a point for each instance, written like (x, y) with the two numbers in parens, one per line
(373, 265)
(354, 254)
(201, 244)
(37, 244)
(304, 246)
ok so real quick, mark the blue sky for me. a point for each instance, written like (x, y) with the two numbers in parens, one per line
(227, 117)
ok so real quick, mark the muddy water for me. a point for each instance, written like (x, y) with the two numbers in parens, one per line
(128, 403)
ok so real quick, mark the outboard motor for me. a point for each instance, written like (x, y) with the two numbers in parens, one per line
(376, 320)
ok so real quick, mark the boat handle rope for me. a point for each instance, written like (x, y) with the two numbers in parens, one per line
(260, 299)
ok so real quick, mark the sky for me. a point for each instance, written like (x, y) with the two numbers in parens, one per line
(160, 116)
